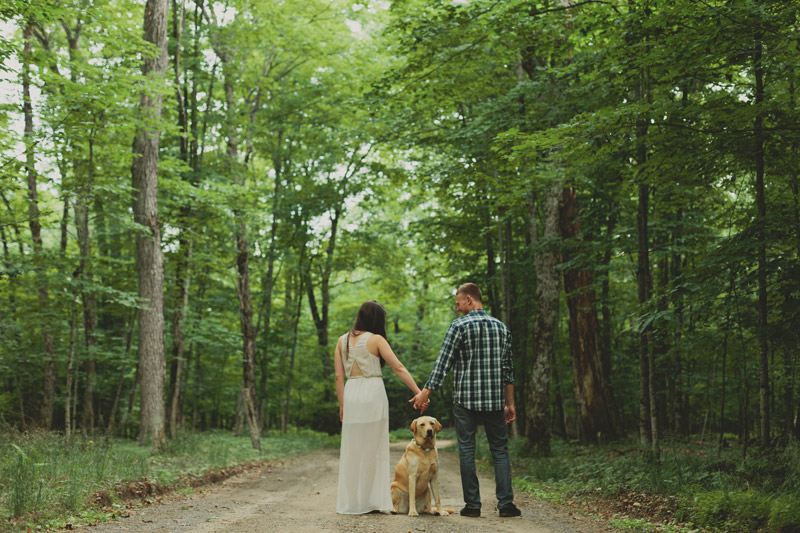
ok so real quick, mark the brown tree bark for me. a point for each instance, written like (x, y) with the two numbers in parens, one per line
(183, 274)
(183, 282)
(149, 258)
(504, 250)
(241, 240)
(605, 293)
(112, 417)
(49, 386)
(595, 407)
(297, 301)
(320, 313)
(85, 274)
(648, 429)
(491, 269)
(268, 284)
(546, 256)
(71, 358)
(761, 208)
(248, 335)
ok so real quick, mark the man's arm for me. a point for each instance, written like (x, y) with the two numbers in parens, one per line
(508, 381)
(510, 412)
(440, 368)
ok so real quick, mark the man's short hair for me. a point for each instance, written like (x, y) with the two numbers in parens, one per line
(471, 290)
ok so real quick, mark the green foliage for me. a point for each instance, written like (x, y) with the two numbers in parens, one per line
(727, 511)
(42, 479)
(40, 475)
(784, 513)
(701, 485)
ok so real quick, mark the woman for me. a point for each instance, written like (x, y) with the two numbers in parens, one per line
(361, 353)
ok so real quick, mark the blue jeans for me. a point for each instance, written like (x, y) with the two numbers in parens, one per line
(494, 422)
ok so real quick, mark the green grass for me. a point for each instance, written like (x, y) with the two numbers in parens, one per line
(703, 488)
(45, 483)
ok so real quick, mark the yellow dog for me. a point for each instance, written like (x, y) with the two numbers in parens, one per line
(418, 468)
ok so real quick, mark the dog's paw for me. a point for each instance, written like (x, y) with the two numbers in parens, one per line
(413, 513)
(443, 512)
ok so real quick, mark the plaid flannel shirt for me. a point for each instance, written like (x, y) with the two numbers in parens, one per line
(478, 347)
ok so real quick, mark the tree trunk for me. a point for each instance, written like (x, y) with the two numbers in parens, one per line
(745, 402)
(84, 273)
(149, 258)
(292, 350)
(524, 349)
(504, 250)
(547, 289)
(646, 394)
(243, 252)
(648, 415)
(183, 281)
(724, 375)
(112, 417)
(320, 315)
(49, 386)
(70, 360)
(248, 335)
(595, 408)
(605, 292)
(761, 205)
(268, 286)
(676, 375)
(491, 269)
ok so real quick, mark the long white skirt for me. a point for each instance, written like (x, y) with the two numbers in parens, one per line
(364, 483)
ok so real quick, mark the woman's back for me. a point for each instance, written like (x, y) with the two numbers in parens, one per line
(364, 454)
(358, 361)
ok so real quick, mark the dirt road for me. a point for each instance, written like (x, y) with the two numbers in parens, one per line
(300, 496)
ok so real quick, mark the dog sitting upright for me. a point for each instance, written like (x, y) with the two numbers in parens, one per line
(418, 470)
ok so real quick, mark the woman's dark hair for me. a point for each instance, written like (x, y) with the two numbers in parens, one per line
(371, 317)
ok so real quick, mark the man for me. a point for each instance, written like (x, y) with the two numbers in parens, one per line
(478, 349)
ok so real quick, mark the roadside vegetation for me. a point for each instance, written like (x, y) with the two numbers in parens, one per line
(46, 484)
(695, 485)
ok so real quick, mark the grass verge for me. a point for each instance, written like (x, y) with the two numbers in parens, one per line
(45, 484)
(694, 487)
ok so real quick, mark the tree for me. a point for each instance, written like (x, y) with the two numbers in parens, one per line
(149, 258)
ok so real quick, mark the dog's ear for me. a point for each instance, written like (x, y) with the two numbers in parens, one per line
(414, 426)
(438, 425)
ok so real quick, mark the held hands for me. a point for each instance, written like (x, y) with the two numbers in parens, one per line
(421, 400)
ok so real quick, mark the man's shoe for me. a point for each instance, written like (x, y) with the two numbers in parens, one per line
(509, 510)
(472, 513)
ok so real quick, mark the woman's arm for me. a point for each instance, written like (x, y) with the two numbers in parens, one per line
(339, 366)
(385, 351)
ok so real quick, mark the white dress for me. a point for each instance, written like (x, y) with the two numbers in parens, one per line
(364, 483)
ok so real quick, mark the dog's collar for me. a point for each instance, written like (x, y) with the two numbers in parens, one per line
(421, 448)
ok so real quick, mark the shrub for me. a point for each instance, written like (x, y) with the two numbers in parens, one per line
(731, 511)
(784, 514)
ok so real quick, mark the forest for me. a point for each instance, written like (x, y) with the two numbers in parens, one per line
(197, 196)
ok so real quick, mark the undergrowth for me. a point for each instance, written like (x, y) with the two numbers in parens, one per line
(45, 482)
(693, 486)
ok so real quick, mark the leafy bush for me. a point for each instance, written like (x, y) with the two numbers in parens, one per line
(784, 515)
(702, 485)
(731, 511)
